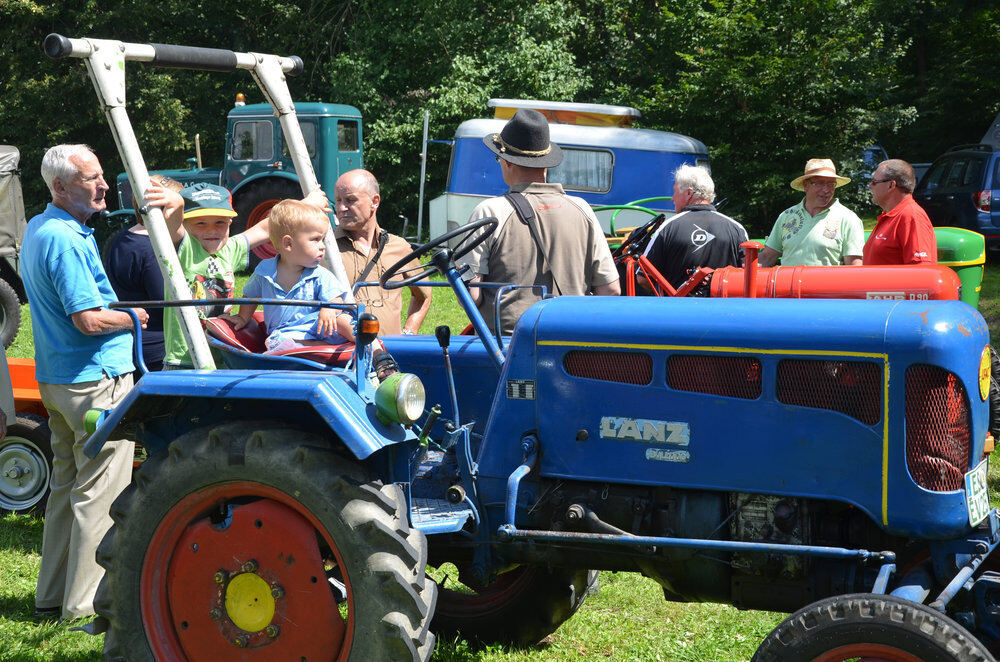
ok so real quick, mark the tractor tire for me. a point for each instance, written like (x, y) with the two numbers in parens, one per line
(994, 395)
(253, 541)
(25, 466)
(866, 626)
(521, 607)
(254, 203)
(10, 313)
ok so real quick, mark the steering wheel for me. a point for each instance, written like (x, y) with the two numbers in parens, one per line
(490, 223)
(638, 236)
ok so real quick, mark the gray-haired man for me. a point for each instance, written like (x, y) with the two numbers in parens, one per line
(697, 235)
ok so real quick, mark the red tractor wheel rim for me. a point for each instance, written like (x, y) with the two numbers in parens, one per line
(184, 603)
(867, 653)
(259, 213)
(496, 595)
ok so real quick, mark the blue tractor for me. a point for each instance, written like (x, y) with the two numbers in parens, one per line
(820, 457)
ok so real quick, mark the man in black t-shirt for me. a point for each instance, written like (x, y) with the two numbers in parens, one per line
(696, 235)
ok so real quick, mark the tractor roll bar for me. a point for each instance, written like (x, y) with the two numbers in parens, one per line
(105, 60)
(170, 55)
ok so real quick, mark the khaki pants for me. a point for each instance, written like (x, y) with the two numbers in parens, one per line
(82, 491)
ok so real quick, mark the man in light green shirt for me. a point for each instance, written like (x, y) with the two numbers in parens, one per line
(819, 231)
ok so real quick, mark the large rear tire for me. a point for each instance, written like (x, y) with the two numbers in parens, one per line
(521, 607)
(10, 313)
(25, 466)
(251, 540)
(254, 203)
(870, 627)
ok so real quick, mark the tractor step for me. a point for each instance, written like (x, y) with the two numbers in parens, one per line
(438, 515)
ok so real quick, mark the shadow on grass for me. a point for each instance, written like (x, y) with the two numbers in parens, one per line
(18, 608)
(21, 533)
(40, 635)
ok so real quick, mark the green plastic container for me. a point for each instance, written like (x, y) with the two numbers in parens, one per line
(965, 252)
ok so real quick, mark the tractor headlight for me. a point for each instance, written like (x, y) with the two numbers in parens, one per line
(400, 399)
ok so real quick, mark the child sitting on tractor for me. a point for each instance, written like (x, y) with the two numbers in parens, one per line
(297, 230)
(209, 255)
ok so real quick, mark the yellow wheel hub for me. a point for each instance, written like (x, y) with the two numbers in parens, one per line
(249, 602)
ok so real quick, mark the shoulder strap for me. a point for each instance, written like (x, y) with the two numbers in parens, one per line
(383, 239)
(526, 214)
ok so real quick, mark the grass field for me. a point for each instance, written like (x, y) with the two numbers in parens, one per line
(628, 621)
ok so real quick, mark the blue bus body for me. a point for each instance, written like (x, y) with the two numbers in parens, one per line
(604, 165)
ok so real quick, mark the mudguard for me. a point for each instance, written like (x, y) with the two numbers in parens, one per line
(270, 174)
(185, 397)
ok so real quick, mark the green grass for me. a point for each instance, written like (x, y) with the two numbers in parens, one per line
(628, 621)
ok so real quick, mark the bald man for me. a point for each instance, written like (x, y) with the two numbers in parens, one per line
(356, 200)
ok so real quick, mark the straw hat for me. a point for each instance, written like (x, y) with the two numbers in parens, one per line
(819, 168)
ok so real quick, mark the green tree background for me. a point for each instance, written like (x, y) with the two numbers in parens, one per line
(765, 84)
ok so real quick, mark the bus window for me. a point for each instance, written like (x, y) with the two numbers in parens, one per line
(584, 170)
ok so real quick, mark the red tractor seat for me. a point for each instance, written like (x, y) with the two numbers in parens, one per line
(251, 339)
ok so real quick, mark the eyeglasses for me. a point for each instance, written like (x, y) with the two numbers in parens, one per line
(878, 181)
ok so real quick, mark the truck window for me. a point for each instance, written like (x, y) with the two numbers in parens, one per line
(584, 170)
(308, 134)
(347, 135)
(253, 141)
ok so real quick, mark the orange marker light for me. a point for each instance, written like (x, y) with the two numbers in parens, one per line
(368, 326)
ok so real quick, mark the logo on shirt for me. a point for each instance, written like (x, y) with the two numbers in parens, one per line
(791, 226)
(700, 238)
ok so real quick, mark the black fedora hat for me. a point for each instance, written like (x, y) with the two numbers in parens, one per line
(524, 141)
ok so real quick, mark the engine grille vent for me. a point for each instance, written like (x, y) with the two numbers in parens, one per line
(853, 388)
(622, 367)
(730, 376)
(937, 428)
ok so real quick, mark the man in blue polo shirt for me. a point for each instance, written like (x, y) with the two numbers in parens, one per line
(83, 360)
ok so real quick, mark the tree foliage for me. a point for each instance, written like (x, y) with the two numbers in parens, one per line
(766, 84)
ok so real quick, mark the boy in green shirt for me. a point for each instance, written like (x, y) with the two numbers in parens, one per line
(209, 256)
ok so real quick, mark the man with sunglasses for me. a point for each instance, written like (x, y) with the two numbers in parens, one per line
(903, 233)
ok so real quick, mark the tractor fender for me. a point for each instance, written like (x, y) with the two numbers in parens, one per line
(171, 403)
(276, 174)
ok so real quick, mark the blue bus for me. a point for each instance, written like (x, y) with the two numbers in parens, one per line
(606, 161)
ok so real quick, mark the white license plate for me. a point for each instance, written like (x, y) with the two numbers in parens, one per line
(977, 495)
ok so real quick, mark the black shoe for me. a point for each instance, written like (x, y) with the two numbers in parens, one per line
(48, 613)
(384, 365)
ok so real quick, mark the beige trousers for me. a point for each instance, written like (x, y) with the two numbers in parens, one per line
(82, 491)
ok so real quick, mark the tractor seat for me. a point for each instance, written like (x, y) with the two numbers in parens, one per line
(250, 339)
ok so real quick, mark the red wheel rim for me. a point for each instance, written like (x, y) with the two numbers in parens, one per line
(183, 601)
(497, 594)
(867, 653)
(259, 213)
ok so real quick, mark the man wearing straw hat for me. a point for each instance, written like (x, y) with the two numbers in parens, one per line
(819, 231)
(544, 237)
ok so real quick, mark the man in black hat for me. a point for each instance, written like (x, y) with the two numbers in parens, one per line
(544, 236)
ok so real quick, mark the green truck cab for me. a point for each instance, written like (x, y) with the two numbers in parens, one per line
(257, 166)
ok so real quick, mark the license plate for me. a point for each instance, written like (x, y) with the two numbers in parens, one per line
(977, 495)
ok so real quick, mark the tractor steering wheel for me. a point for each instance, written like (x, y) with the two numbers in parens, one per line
(489, 223)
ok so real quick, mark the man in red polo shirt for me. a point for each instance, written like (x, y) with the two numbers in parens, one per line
(903, 233)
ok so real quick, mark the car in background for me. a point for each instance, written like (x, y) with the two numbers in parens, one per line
(919, 170)
(960, 188)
